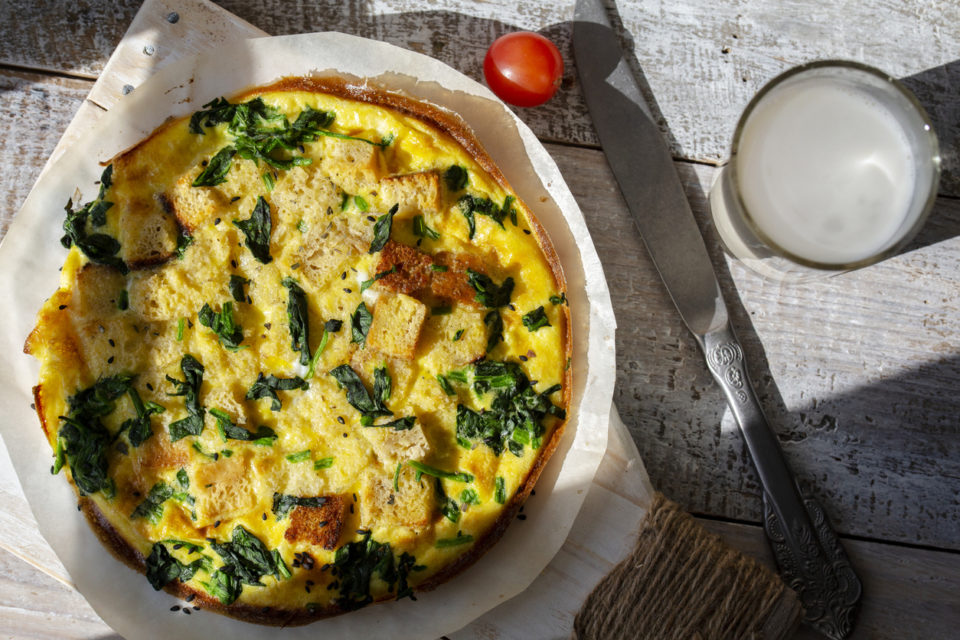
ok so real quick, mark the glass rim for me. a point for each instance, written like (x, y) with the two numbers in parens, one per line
(932, 187)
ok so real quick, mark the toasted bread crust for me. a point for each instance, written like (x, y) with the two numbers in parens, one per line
(450, 286)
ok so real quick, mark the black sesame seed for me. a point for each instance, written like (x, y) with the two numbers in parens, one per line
(216, 222)
(175, 607)
(204, 163)
(216, 456)
(347, 290)
(62, 307)
(310, 583)
(177, 547)
(136, 494)
(526, 231)
(512, 308)
(190, 597)
(343, 276)
(341, 420)
(523, 358)
(186, 611)
(351, 508)
(233, 263)
(354, 497)
(216, 524)
(110, 360)
(522, 516)
(307, 589)
(371, 219)
(234, 199)
(149, 386)
(196, 608)
(322, 524)
(345, 435)
(267, 325)
(33, 406)
(264, 517)
(300, 148)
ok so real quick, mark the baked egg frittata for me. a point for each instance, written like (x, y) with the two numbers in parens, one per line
(309, 352)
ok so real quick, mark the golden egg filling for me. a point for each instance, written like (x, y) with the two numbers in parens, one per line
(309, 352)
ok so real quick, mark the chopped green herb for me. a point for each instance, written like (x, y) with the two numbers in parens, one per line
(421, 230)
(183, 479)
(223, 324)
(360, 322)
(444, 543)
(123, 300)
(299, 456)
(284, 504)
(344, 200)
(455, 177)
(448, 506)
(257, 230)
(500, 490)
(322, 463)
(559, 299)
(301, 226)
(508, 209)
(189, 388)
(381, 230)
(396, 477)
(267, 387)
(489, 294)
(469, 496)
(151, 507)
(536, 319)
(438, 267)
(456, 476)
(217, 169)
(196, 447)
(316, 355)
(458, 376)
(236, 288)
(181, 323)
(458, 334)
(441, 311)
(361, 204)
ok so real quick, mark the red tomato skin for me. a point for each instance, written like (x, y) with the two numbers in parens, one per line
(523, 68)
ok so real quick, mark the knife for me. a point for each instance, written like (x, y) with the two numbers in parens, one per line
(807, 551)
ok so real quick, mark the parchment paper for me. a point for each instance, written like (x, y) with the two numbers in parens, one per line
(30, 257)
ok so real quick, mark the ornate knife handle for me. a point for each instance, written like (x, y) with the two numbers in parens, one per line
(807, 551)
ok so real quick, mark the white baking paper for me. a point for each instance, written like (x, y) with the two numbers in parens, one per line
(30, 257)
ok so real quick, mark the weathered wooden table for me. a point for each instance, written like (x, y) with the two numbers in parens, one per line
(859, 374)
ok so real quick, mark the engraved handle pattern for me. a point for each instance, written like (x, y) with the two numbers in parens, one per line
(807, 551)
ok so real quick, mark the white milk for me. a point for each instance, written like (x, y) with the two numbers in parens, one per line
(826, 171)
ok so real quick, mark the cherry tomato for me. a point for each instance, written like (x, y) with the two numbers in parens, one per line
(523, 68)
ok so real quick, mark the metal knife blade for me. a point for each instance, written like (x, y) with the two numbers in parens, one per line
(807, 551)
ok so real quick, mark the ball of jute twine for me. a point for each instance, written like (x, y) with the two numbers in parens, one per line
(683, 582)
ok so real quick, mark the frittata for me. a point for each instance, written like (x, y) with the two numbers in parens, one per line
(309, 351)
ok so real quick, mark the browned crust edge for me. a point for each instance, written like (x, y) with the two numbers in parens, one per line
(454, 126)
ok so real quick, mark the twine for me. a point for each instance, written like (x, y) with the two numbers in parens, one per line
(682, 582)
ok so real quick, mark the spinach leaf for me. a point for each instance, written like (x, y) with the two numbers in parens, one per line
(189, 388)
(151, 507)
(400, 424)
(461, 538)
(381, 229)
(223, 324)
(257, 230)
(228, 430)
(559, 299)
(448, 506)
(247, 559)
(358, 396)
(163, 568)
(98, 247)
(139, 429)
(360, 322)
(455, 177)
(489, 294)
(283, 504)
(298, 320)
(366, 284)
(355, 564)
(515, 417)
(216, 170)
(445, 385)
(83, 441)
(224, 586)
(494, 321)
(333, 325)
(267, 387)
(536, 319)
(236, 288)
(421, 230)
(470, 206)
(184, 240)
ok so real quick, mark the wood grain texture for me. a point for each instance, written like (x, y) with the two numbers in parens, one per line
(703, 60)
(867, 416)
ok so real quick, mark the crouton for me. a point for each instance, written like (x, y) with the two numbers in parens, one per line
(325, 250)
(319, 526)
(411, 272)
(148, 235)
(437, 342)
(97, 291)
(224, 489)
(352, 164)
(392, 446)
(414, 193)
(413, 506)
(397, 321)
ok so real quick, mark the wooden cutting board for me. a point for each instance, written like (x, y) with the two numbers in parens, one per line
(167, 30)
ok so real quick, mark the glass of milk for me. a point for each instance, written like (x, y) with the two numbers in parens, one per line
(834, 166)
